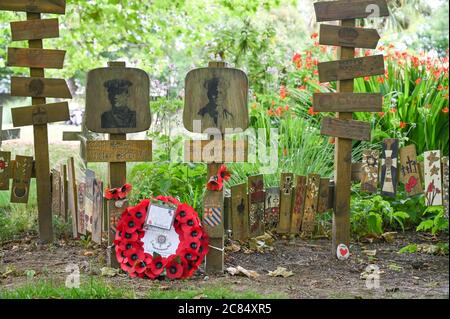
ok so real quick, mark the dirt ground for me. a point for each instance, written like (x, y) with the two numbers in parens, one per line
(316, 273)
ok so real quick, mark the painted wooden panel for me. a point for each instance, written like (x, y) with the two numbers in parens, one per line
(56, 192)
(256, 205)
(36, 58)
(213, 214)
(89, 180)
(345, 10)
(272, 207)
(97, 212)
(409, 170)
(324, 193)
(34, 29)
(239, 212)
(21, 179)
(445, 185)
(369, 171)
(311, 201)
(40, 114)
(81, 195)
(117, 100)
(5, 170)
(286, 193)
(348, 69)
(64, 193)
(348, 37)
(72, 195)
(119, 151)
(347, 102)
(298, 205)
(40, 87)
(216, 98)
(389, 167)
(349, 129)
(33, 6)
(433, 181)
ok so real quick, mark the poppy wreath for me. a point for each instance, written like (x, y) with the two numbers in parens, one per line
(130, 249)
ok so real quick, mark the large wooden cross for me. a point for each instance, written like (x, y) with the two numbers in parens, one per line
(345, 102)
(106, 89)
(39, 114)
(206, 91)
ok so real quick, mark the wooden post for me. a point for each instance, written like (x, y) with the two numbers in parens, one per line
(40, 114)
(347, 38)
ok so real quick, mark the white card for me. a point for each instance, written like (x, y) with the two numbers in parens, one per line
(161, 241)
(159, 216)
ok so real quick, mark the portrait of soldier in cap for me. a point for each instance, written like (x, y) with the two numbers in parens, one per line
(120, 116)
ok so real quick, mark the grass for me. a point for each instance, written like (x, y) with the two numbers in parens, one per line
(98, 289)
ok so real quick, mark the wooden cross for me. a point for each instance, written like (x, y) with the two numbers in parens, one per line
(12, 134)
(343, 127)
(206, 89)
(104, 86)
(40, 114)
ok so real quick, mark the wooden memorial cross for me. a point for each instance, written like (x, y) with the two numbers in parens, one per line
(344, 102)
(117, 103)
(12, 134)
(216, 104)
(38, 88)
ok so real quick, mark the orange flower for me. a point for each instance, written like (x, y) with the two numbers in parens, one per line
(445, 109)
(380, 80)
(286, 107)
(282, 92)
(418, 81)
(367, 78)
(314, 35)
(254, 106)
(311, 111)
(279, 111)
(332, 140)
(393, 110)
(403, 124)
(270, 112)
(381, 114)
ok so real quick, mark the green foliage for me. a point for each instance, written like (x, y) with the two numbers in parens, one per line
(434, 220)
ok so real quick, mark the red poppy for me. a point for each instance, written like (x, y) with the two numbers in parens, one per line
(184, 213)
(191, 255)
(224, 173)
(190, 225)
(125, 190)
(157, 265)
(412, 182)
(141, 266)
(112, 193)
(445, 109)
(132, 224)
(215, 183)
(174, 269)
(121, 258)
(134, 254)
(403, 124)
(128, 268)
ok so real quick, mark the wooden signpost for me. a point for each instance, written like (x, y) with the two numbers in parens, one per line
(256, 201)
(40, 114)
(286, 191)
(344, 71)
(216, 104)
(409, 170)
(117, 103)
(299, 204)
(389, 167)
(433, 181)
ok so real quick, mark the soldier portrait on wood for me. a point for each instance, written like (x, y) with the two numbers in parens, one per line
(120, 114)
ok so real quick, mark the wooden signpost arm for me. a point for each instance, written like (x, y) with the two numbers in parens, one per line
(43, 184)
(343, 162)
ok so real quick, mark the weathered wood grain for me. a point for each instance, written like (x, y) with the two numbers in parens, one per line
(272, 208)
(5, 170)
(311, 202)
(40, 114)
(344, 9)
(324, 193)
(445, 185)
(227, 213)
(348, 69)
(286, 193)
(119, 151)
(348, 36)
(97, 216)
(433, 180)
(348, 102)
(216, 151)
(89, 179)
(117, 100)
(64, 192)
(239, 212)
(72, 196)
(36, 58)
(81, 220)
(40, 87)
(298, 205)
(56, 192)
(21, 179)
(256, 205)
(216, 98)
(369, 171)
(389, 167)
(346, 129)
(33, 6)
(409, 170)
(34, 29)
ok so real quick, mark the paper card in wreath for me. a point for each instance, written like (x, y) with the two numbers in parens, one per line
(160, 216)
